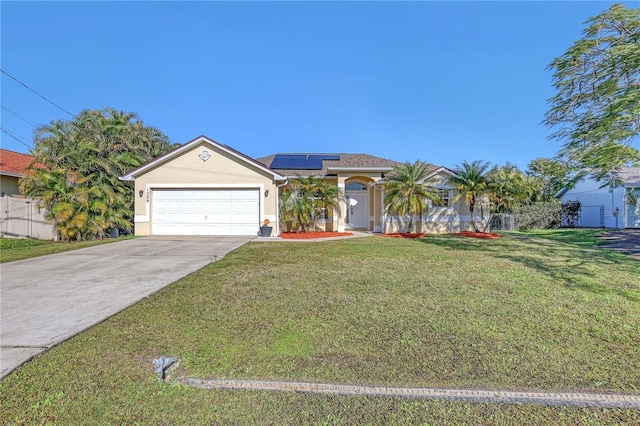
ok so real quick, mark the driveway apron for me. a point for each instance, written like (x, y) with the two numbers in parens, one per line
(46, 300)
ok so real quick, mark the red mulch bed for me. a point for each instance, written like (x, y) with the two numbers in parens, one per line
(310, 235)
(402, 235)
(482, 235)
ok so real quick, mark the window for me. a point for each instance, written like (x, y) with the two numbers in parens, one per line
(445, 195)
(323, 214)
(355, 186)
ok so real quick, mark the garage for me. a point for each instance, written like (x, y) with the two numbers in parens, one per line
(205, 212)
(204, 188)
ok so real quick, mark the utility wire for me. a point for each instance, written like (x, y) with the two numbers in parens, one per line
(42, 96)
(14, 136)
(19, 116)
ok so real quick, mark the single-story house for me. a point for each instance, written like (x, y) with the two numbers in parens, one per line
(13, 167)
(609, 206)
(208, 188)
(20, 216)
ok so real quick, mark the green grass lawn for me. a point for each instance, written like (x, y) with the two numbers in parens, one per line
(12, 249)
(549, 311)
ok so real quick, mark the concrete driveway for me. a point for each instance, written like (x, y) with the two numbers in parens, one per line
(46, 300)
(626, 241)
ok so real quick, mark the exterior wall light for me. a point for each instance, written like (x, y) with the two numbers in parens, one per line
(266, 193)
(141, 193)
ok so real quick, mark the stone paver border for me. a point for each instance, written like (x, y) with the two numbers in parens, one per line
(579, 399)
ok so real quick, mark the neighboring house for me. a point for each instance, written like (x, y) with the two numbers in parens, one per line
(606, 207)
(20, 216)
(208, 188)
(13, 167)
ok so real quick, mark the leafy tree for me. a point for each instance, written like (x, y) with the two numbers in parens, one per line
(633, 197)
(407, 191)
(552, 174)
(472, 183)
(508, 188)
(301, 205)
(76, 168)
(596, 110)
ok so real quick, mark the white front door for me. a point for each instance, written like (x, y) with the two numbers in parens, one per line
(357, 210)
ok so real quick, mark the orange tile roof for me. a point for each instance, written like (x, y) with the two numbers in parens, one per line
(14, 163)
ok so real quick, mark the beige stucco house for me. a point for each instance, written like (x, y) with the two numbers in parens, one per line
(207, 188)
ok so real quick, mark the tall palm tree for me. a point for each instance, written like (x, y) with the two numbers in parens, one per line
(472, 183)
(407, 191)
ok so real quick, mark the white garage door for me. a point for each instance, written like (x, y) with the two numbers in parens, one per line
(205, 212)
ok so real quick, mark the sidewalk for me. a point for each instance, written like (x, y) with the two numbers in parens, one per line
(575, 399)
(356, 234)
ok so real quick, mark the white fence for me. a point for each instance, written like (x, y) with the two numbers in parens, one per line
(21, 218)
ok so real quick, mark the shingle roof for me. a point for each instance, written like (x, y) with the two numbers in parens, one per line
(630, 176)
(14, 163)
(363, 161)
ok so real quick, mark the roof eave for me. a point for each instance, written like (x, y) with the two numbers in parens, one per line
(170, 155)
(443, 170)
(359, 169)
(18, 175)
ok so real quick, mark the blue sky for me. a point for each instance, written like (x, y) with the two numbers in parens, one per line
(442, 82)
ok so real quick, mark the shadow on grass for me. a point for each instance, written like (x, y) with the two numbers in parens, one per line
(571, 259)
(580, 238)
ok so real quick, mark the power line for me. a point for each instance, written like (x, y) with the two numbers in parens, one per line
(42, 96)
(19, 116)
(14, 136)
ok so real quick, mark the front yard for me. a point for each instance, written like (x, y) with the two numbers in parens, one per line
(12, 249)
(541, 311)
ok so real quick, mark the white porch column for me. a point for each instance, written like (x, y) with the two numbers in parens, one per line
(342, 204)
(383, 216)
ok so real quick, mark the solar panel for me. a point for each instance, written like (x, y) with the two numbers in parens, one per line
(301, 161)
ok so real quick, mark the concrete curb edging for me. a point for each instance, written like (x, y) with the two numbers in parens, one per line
(577, 399)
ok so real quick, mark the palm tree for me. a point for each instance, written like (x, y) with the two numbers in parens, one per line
(472, 183)
(98, 146)
(407, 191)
(509, 188)
(66, 198)
(301, 204)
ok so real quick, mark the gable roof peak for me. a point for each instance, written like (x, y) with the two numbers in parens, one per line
(188, 145)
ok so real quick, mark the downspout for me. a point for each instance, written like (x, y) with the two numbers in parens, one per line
(286, 181)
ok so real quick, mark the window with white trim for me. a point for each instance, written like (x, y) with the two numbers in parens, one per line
(445, 196)
(355, 186)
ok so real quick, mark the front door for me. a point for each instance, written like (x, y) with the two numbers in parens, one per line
(357, 210)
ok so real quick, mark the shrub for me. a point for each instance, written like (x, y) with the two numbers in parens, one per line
(571, 213)
(544, 215)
